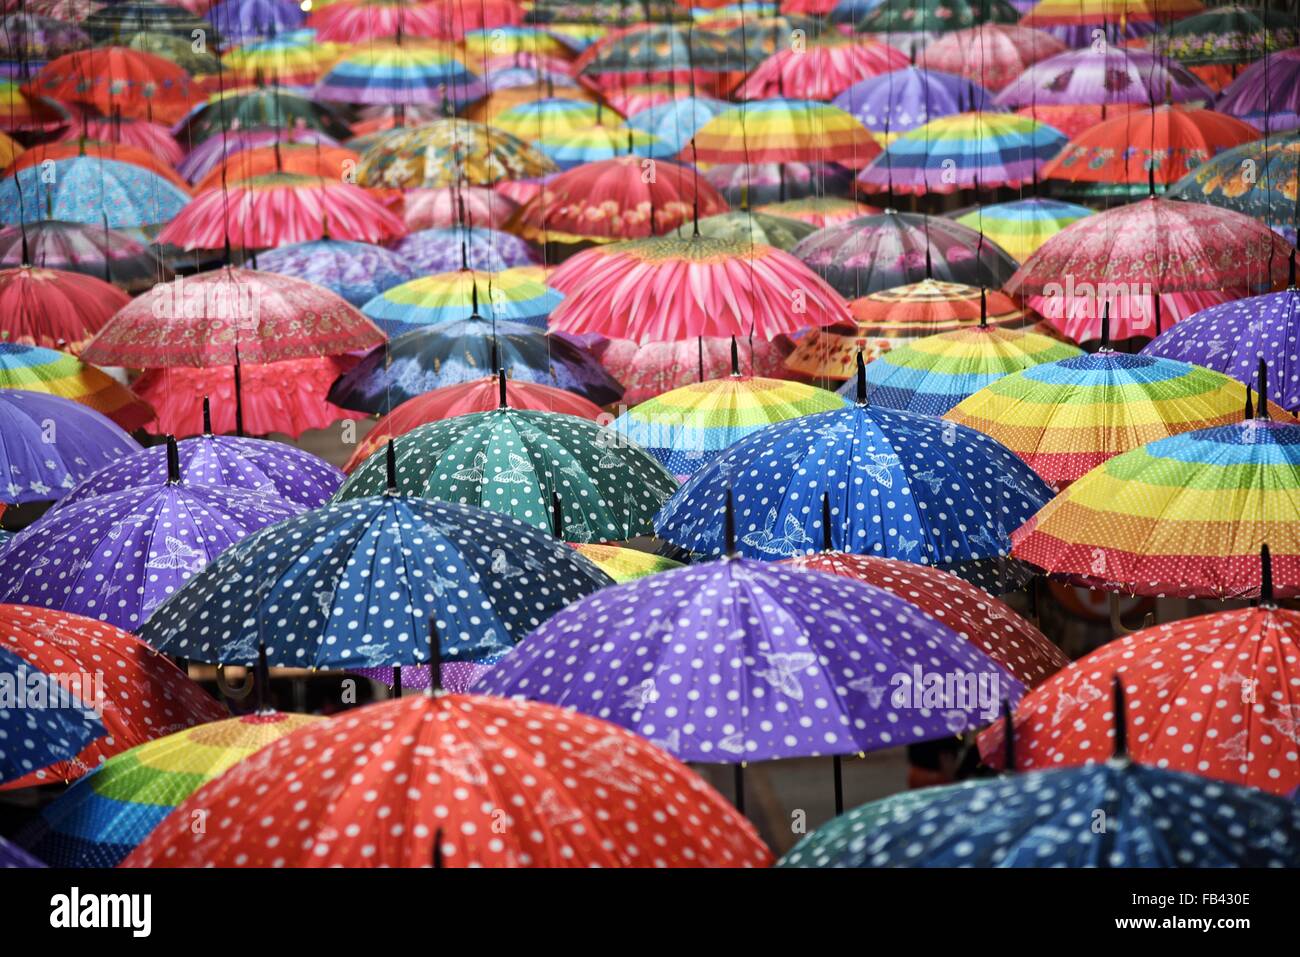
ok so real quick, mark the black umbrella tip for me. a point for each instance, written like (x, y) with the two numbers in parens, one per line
(729, 527)
(862, 379)
(1009, 736)
(207, 416)
(735, 357)
(435, 657)
(173, 461)
(1262, 410)
(502, 399)
(1266, 595)
(828, 544)
(557, 515)
(390, 466)
(1121, 719)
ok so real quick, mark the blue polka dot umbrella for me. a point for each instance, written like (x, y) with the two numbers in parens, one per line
(901, 485)
(34, 737)
(358, 582)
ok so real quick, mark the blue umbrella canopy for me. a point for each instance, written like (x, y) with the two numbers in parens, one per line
(357, 582)
(354, 271)
(33, 737)
(91, 190)
(676, 121)
(1152, 818)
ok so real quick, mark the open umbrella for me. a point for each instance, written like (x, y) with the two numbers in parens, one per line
(649, 369)
(48, 444)
(1105, 74)
(303, 158)
(935, 16)
(1077, 21)
(665, 53)
(758, 228)
(1022, 225)
(90, 190)
(780, 130)
(446, 153)
(819, 211)
(117, 80)
(556, 116)
(354, 271)
(211, 153)
(517, 295)
(252, 108)
(676, 120)
(35, 369)
(20, 112)
(402, 73)
(77, 247)
(1219, 41)
(446, 250)
(1260, 179)
(903, 99)
(1267, 94)
(747, 185)
(821, 69)
(54, 309)
(991, 54)
(241, 20)
(437, 208)
(119, 21)
(32, 738)
(357, 22)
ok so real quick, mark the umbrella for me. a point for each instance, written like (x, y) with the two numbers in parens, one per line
(936, 16)
(742, 226)
(613, 199)
(354, 271)
(1233, 337)
(240, 20)
(977, 616)
(687, 428)
(115, 23)
(254, 108)
(34, 369)
(750, 184)
(517, 295)
(819, 211)
(446, 250)
(13, 856)
(199, 63)
(291, 58)
(932, 374)
(32, 738)
(624, 564)
(1022, 225)
(477, 395)
(737, 660)
(890, 476)
(54, 309)
(879, 252)
(118, 556)
(650, 369)
(214, 151)
(991, 54)
(48, 444)
(596, 143)
(91, 250)
(556, 117)
(27, 36)
(136, 693)
(1122, 260)
(100, 819)
(305, 159)
(514, 460)
(117, 80)
(672, 288)
(963, 151)
(439, 208)
(446, 153)
(399, 73)
(903, 99)
(1143, 149)
(154, 139)
(1215, 44)
(92, 191)
(821, 69)
(665, 53)
(20, 112)
(1258, 179)
(591, 793)
(1182, 516)
(779, 130)
(1077, 21)
(81, 148)
(1103, 74)
(676, 121)
(1267, 94)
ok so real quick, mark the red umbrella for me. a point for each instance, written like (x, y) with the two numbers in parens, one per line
(279, 209)
(304, 159)
(53, 308)
(358, 21)
(117, 80)
(821, 70)
(613, 199)
(481, 395)
(141, 693)
(438, 208)
(1074, 119)
(651, 369)
(504, 783)
(154, 138)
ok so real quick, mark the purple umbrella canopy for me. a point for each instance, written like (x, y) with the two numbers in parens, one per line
(736, 660)
(451, 248)
(1111, 74)
(902, 100)
(1267, 94)
(1233, 337)
(208, 155)
(457, 676)
(48, 444)
(354, 271)
(273, 470)
(27, 36)
(240, 20)
(88, 249)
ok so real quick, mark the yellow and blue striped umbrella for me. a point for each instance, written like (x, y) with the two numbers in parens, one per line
(514, 295)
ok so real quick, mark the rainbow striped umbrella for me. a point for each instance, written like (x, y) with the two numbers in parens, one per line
(399, 73)
(689, 427)
(100, 819)
(57, 373)
(819, 211)
(677, 120)
(516, 295)
(293, 57)
(781, 131)
(1022, 225)
(595, 143)
(1065, 418)
(625, 564)
(555, 117)
(1075, 21)
(978, 150)
(1184, 516)
(933, 374)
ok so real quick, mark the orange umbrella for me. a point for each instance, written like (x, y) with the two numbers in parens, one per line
(307, 159)
(117, 80)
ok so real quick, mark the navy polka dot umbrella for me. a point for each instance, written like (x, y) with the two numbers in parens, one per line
(34, 737)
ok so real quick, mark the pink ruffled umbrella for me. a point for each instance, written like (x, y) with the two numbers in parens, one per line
(360, 21)
(450, 206)
(650, 370)
(279, 209)
(142, 134)
(1187, 255)
(992, 54)
(667, 288)
(821, 70)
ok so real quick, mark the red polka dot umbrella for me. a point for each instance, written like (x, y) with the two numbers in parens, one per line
(53, 308)
(505, 783)
(143, 695)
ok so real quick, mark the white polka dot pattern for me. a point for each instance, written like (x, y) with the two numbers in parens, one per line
(32, 738)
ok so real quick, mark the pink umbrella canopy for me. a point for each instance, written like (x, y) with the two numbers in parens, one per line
(1188, 254)
(278, 209)
(451, 206)
(667, 288)
(992, 54)
(650, 370)
(1104, 74)
(821, 70)
(231, 316)
(154, 137)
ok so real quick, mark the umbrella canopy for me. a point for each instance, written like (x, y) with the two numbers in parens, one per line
(753, 690)
(100, 819)
(115, 80)
(875, 253)
(251, 108)
(688, 427)
(1143, 149)
(963, 151)
(437, 208)
(478, 395)
(241, 20)
(821, 69)
(647, 370)
(1226, 35)
(142, 695)
(819, 211)
(1232, 668)
(1107, 74)
(515, 461)
(1067, 417)
(228, 316)
(354, 271)
(1234, 337)
(91, 250)
(48, 444)
(779, 130)
(483, 579)
(1183, 516)
(665, 53)
(1076, 21)
(750, 184)
(273, 470)
(33, 738)
(13, 856)
(932, 374)
(213, 152)
(402, 73)
(357, 22)
(120, 21)
(760, 229)
(449, 353)
(1267, 94)
(90, 190)
(1154, 818)
(27, 36)
(991, 54)
(676, 121)
(1119, 260)
(1022, 225)
(596, 143)
(20, 112)
(446, 250)
(517, 295)
(625, 564)
(34, 369)
(304, 158)
(612, 200)
(903, 99)
(977, 616)
(1257, 179)
(556, 771)
(935, 16)
(672, 288)
(54, 309)
(446, 153)
(555, 116)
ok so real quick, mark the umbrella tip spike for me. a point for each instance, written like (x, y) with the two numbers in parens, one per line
(1266, 595)
(735, 357)
(501, 390)
(1009, 736)
(207, 416)
(729, 526)
(557, 515)
(1250, 405)
(390, 466)
(1262, 411)
(435, 656)
(984, 307)
(173, 461)
(827, 544)
(1105, 325)
(1121, 719)
(1290, 279)
(437, 850)
(862, 379)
